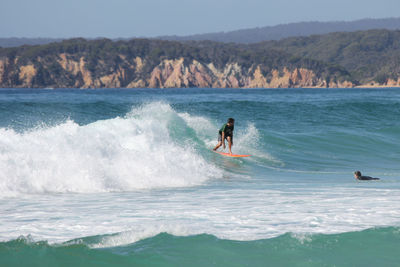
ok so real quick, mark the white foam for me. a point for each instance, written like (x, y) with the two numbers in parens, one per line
(120, 154)
(236, 214)
(247, 140)
(203, 127)
(246, 136)
(143, 151)
(140, 233)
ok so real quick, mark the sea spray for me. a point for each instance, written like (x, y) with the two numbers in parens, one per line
(300, 207)
(134, 152)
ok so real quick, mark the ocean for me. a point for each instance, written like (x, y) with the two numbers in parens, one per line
(127, 177)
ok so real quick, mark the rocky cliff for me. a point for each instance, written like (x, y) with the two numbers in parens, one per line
(169, 73)
(78, 63)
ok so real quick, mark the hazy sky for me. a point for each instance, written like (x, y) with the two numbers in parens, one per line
(145, 18)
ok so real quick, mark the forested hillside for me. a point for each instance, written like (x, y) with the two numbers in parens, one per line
(367, 55)
(368, 58)
(153, 63)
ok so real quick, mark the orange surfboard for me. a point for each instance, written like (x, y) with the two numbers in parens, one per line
(232, 155)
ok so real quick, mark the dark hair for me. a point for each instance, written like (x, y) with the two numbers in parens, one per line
(358, 173)
(231, 120)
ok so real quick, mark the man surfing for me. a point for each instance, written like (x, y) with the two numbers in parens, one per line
(226, 132)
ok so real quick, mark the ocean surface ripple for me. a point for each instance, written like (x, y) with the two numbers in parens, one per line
(129, 177)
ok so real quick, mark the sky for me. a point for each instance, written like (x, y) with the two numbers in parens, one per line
(150, 18)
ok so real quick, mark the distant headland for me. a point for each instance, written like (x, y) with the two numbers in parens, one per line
(341, 60)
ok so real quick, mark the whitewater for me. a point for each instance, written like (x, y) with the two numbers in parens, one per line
(111, 169)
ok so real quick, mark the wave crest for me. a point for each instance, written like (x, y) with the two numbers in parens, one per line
(138, 151)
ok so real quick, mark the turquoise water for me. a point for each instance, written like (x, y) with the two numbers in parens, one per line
(377, 247)
(127, 177)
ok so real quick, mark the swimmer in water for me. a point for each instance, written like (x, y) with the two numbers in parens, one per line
(358, 176)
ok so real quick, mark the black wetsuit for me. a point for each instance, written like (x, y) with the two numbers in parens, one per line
(367, 178)
(228, 130)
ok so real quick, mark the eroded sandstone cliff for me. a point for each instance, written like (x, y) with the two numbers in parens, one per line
(169, 73)
(143, 63)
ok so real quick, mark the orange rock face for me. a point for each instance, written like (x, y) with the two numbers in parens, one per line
(26, 74)
(173, 73)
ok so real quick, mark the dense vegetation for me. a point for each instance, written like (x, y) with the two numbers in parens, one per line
(358, 57)
(367, 55)
(104, 56)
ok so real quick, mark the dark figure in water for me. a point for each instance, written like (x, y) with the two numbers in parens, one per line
(358, 176)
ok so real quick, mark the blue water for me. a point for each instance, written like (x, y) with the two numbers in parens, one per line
(127, 177)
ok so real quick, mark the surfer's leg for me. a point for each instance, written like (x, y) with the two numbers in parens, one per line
(229, 138)
(219, 142)
(217, 146)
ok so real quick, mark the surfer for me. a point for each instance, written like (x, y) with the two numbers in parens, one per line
(358, 176)
(226, 132)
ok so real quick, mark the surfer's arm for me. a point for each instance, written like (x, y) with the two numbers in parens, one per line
(223, 139)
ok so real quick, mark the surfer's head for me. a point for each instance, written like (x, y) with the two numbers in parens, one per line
(231, 121)
(357, 174)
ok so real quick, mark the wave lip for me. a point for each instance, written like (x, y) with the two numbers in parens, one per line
(139, 151)
(371, 247)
